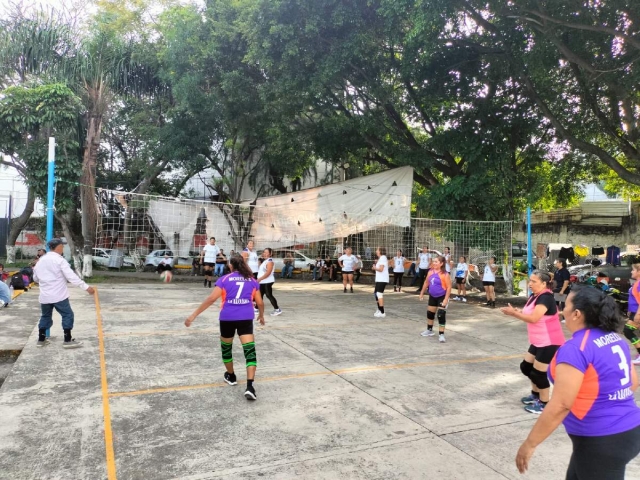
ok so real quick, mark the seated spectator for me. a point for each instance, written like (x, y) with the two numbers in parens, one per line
(326, 268)
(287, 268)
(318, 268)
(334, 269)
(5, 295)
(166, 264)
(3, 273)
(412, 270)
(221, 263)
(40, 253)
(195, 267)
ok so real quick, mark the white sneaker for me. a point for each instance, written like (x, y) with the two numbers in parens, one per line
(382, 315)
(277, 312)
(636, 361)
(428, 333)
(464, 299)
(441, 338)
(256, 311)
(457, 299)
(377, 313)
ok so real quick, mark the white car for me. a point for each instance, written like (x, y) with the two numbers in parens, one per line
(300, 260)
(155, 257)
(102, 255)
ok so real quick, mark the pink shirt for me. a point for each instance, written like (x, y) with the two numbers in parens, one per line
(546, 331)
(52, 272)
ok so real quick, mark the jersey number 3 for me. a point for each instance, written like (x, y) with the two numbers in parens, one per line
(624, 365)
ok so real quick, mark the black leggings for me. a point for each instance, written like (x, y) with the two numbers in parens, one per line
(267, 289)
(597, 458)
(397, 279)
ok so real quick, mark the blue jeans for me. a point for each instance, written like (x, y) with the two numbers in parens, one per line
(287, 270)
(317, 272)
(219, 270)
(63, 308)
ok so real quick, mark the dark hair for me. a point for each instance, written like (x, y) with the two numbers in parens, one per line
(383, 251)
(54, 243)
(270, 250)
(562, 261)
(443, 261)
(463, 257)
(599, 309)
(494, 258)
(212, 238)
(447, 248)
(239, 265)
(400, 250)
(543, 276)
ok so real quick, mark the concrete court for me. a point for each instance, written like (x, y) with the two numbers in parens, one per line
(341, 395)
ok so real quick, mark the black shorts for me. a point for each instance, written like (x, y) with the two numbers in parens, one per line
(461, 280)
(345, 272)
(209, 264)
(435, 301)
(544, 354)
(255, 275)
(228, 328)
(380, 287)
(488, 284)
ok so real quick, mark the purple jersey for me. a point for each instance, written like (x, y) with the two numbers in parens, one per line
(605, 403)
(438, 283)
(237, 297)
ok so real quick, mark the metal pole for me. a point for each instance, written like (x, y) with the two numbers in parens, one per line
(52, 167)
(529, 247)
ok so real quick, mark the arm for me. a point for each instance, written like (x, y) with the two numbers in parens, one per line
(538, 312)
(260, 304)
(565, 285)
(634, 380)
(73, 278)
(567, 385)
(494, 268)
(201, 256)
(210, 300)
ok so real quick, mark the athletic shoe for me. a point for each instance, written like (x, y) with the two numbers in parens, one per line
(250, 393)
(42, 343)
(256, 311)
(382, 315)
(395, 289)
(464, 299)
(377, 313)
(2, 303)
(529, 399)
(428, 333)
(276, 312)
(230, 378)
(345, 291)
(73, 343)
(487, 304)
(352, 290)
(536, 408)
(441, 338)
(457, 299)
(636, 361)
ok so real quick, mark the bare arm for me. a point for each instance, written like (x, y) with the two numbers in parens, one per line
(210, 300)
(533, 317)
(565, 285)
(257, 297)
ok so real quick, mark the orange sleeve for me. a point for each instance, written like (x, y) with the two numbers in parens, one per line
(445, 280)
(635, 291)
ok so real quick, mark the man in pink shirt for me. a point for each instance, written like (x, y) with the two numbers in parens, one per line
(52, 272)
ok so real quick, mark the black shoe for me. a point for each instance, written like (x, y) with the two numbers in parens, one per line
(493, 304)
(250, 393)
(352, 290)
(345, 291)
(230, 378)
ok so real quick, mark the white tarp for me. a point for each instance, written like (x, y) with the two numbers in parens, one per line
(335, 210)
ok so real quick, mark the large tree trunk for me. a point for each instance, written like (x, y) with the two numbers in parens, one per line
(18, 224)
(65, 221)
(87, 190)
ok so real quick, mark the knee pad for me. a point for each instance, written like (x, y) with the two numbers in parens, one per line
(227, 356)
(525, 368)
(631, 334)
(380, 294)
(442, 317)
(250, 354)
(539, 379)
(431, 315)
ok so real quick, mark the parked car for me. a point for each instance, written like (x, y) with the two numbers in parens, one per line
(154, 258)
(300, 260)
(102, 255)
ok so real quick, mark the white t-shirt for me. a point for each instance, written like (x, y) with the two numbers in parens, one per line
(167, 261)
(447, 264)
(382, 276)
(424, 260)
(348, 262)
(262, 269)
(488, 276)
(398, 264)
(252, 260)
(461, 270)
(210, 253)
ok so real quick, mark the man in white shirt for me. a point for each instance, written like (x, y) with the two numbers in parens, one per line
(165, 264)
(52, 272)
(208, 256)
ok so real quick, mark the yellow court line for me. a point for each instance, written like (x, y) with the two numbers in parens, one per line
(108, 434)
(182, 388)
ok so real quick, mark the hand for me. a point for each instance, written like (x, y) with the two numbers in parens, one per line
(261, 319)
(444, 304)
(525, 452)
(189, 321)
(91, 290)
(509, 310)
(421, 297)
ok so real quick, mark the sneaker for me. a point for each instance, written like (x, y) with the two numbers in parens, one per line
(382, 315)
(464, 299)
(230, 378)
(395, 289)
(529, 399)
(256, 311)
(428, 333)
(441, 338)
(377, 313)
(345, 291)
(276, 312)
(73, 343)
(536, 408)
(457, 299)
(2, 303)
(636, 361)
(250, 393)
(352, 290)
(42, 343)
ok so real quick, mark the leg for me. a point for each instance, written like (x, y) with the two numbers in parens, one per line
(487, 291)
(344, 281)
(431, 316)
(539, 378)
(268, 291)
(400, 281)
(64, 309)
(249, 348)
(226, 347)
(631, 333)
(442, 320)
(526, 366)
(46, 320)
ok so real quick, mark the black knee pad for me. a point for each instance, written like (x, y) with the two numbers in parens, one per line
(442, 317)
(431, 315)
(539, 379)
(525, 368)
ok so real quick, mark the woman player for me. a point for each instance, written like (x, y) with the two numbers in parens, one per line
(439, 285)
(462, 272)
(266, 279)
(489, 281)
(347, 264)
(381, 267)
(398, 271)
(238, 290)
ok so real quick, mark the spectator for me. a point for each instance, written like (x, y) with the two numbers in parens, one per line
(41, 252)
(52, 273)
(166, 264)
(327, 266)
(195, 267)
(318, 269)
(5, 295)
(221, 263)
(287, 268)
(358, 268)
(3, 273)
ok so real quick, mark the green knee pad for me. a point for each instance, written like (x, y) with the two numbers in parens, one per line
(250, 354)
(227, 356)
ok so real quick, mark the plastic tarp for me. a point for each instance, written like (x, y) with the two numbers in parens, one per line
(336, 210)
